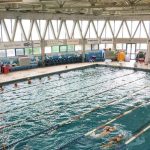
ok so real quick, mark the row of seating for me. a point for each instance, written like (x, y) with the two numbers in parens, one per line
(95, 56)
(53, 60)
(63, 59)
(18, 68)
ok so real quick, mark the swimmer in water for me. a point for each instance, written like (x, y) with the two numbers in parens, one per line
(29, 81)
(59, 75)
(49, 77)
(115, 140)
(106, 130)
(15, 85)
(1, 88)
(3, 146)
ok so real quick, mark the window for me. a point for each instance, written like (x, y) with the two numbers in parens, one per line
(78, 47)
(109, 46)
(55, 49)
(88, 47)
(119, 46)
(28, 51)
(101, 46)
(70, 48)
(143, 46)
(47, 50)
(94, 46)
(36, 51)
(19, 52)
(10, 52)
(2, 53)
(63, 48)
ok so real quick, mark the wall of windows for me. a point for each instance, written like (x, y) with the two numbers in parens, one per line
(2, 53)
(26, 30)
(10, 52)
(63, 48)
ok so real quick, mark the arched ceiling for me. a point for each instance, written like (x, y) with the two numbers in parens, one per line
(82, 7)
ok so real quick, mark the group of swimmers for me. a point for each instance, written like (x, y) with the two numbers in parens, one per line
(107, 130)
(28, 81)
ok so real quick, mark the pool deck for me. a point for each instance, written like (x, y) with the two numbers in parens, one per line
(32, 73)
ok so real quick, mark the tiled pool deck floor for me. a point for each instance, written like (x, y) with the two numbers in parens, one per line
(19, 75)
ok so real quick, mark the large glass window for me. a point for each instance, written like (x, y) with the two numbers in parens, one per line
(10, 52)
(88, 47)
(143, 46)
(102, 46)
(19, 52)
(131, 50)
(109, 46)
(70, 48)
(47, 50)
(37, 51)
(28, 51)
(119, 46)
(63, 48)
(2, 53)
(78, 47)
(55, 49)
(94, 46)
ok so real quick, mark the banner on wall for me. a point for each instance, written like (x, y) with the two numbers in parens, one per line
(9, 45)
(36, 43)
(92, 41)
(73, 42)
(55, 42)
(106, 41)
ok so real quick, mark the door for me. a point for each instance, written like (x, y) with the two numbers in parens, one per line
(131, 50)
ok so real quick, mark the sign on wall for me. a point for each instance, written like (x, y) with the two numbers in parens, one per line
(55, 42)
(73, 42)
(92, 41)
(9, 45)
(36, 43)
(106, 41)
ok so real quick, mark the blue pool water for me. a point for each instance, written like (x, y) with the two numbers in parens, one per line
(33, 117)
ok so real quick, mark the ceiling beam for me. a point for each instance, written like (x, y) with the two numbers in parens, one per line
(46, 16)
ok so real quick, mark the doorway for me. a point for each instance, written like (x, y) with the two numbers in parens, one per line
(131, 50)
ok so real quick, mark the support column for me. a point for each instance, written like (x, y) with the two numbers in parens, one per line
(43, 52)
(83, 50)
(147, 57)
(114, 44)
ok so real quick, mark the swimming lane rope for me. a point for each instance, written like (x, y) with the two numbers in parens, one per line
(102, 126)
(59, 85)
(55, 127)
(32, 104)
(74, 118)
(50, 81)
(142, 130)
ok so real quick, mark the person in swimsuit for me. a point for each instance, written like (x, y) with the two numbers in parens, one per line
(1, 88)
(106, 130)
(29, 81)
(15, 85)
(115, 140)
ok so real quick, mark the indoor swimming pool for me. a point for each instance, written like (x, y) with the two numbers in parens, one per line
(62, 111)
